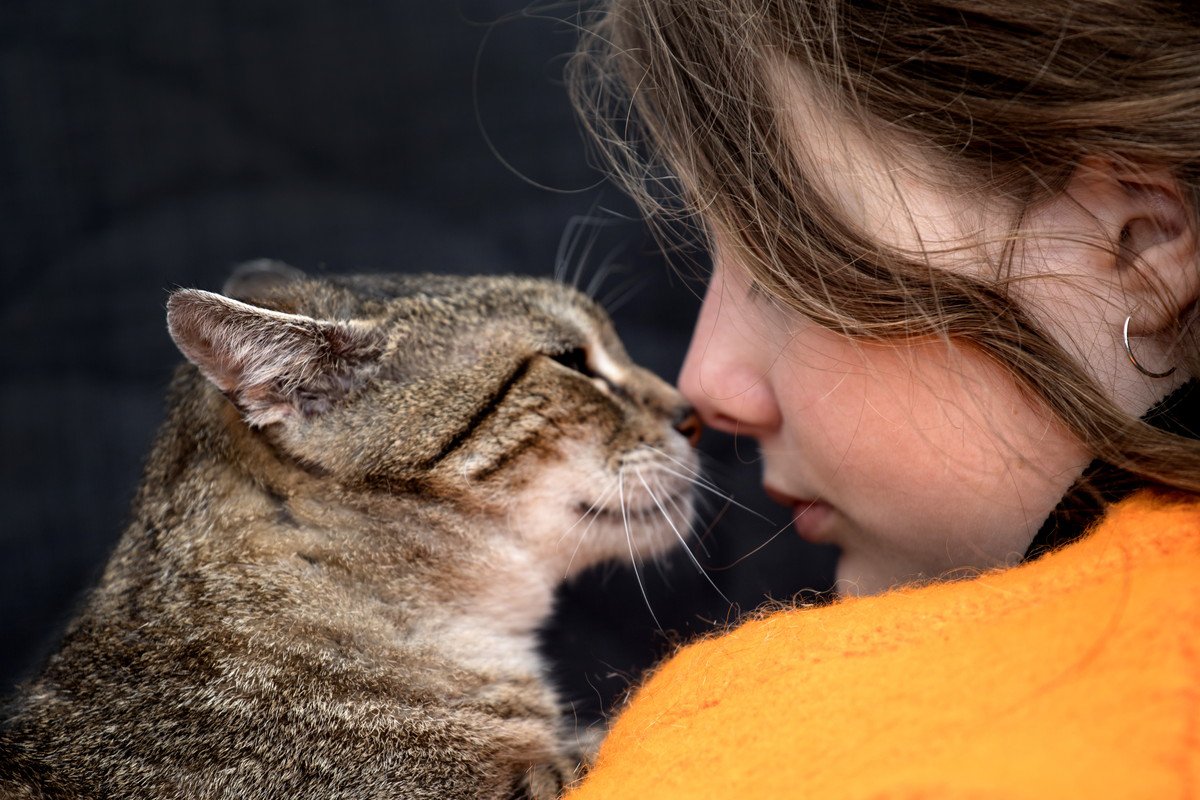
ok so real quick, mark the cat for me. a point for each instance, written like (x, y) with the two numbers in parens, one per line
(350, 527)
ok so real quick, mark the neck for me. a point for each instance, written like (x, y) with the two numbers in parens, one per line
(1103, 484)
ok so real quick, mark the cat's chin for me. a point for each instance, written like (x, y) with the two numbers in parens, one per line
(642, 529)
(585, 507)
(640, 511)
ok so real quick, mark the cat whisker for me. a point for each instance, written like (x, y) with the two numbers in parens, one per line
(667, 516)
(698, 483)
(695, 477)
(634, 559)
(623, 293)
(692, 523)
(569, 242)
(743, 557)
(578, 544)
(582, 260)
(691, 475)
(713, 520)
(566, 247)
(583, 534)
(682, 465)
(607, 267)
(603, 498)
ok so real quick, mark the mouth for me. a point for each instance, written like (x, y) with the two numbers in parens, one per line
(811, 517)
(618, 515)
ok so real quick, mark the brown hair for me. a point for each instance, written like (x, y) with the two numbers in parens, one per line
(1011, 95)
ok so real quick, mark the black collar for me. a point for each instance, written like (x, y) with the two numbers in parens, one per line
(1103, 484)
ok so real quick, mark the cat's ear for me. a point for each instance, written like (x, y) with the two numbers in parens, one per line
(273, 366)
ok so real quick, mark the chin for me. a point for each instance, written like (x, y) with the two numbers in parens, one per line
(857, 577)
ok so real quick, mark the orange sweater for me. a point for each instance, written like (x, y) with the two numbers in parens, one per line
(1077, 675)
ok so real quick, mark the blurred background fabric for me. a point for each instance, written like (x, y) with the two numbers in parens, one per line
(146, 146)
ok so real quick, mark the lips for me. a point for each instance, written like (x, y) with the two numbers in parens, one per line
(810, 517)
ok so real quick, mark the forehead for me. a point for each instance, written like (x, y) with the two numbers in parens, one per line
(880, 180)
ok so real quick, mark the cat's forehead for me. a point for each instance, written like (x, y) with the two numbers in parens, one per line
(430, 311)
(539, 305)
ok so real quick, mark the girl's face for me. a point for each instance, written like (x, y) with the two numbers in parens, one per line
(914, 460)
(919, 461)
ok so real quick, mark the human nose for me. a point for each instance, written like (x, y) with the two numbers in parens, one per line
(726, 373)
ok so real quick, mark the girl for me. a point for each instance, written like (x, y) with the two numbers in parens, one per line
(955, 275)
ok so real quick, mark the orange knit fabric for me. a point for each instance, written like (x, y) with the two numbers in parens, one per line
(1077, 675)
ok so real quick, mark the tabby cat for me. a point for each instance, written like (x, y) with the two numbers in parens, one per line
(350, 527)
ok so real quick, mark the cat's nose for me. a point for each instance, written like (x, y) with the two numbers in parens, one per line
(687, 422)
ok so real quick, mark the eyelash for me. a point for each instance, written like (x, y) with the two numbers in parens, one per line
(576, 359)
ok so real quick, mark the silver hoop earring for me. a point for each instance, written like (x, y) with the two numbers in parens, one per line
(1134, 361)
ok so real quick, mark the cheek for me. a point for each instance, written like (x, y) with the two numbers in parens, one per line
(935, 460)
(921, 424)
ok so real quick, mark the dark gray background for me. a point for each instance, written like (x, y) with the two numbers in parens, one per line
(148, 145)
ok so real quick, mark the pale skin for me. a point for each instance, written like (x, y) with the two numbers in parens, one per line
(926, 461)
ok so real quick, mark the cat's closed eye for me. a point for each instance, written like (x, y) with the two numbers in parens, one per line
(576, 358)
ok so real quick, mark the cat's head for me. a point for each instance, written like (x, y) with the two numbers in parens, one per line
(512, 397)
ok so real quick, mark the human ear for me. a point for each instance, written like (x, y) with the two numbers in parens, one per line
(1152, 241)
